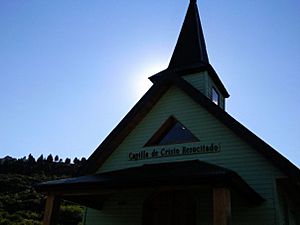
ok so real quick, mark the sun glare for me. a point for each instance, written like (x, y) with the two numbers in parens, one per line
(140, 82)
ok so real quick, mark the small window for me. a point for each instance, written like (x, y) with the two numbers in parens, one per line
(215, 96)
(171, 132)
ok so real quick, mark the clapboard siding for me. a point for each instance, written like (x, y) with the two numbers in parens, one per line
(198, 80)
(235, 154)
(122, 208)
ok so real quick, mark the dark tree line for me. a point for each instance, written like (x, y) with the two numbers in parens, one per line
(47, 165)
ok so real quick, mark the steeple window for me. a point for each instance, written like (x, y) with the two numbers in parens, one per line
(215, 97)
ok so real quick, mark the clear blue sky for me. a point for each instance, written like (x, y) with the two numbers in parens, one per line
(70, 70)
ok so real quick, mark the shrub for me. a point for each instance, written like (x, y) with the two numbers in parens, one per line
(70, 214)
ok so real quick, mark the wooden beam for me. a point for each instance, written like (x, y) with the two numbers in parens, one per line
(51, 210)
(221, 206)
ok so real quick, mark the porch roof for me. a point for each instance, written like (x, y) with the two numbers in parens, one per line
(183, 173)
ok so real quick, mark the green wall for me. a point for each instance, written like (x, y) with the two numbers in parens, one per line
(235, 154)
(204, 83)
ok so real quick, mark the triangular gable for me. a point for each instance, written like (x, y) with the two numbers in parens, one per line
(140, 110)
(172, 132)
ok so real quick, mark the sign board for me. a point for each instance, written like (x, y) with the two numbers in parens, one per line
(174, 151)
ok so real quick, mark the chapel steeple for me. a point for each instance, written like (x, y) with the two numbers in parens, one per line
(190, 50)
(190, 60)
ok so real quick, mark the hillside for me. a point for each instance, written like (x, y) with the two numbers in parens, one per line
(20, 204)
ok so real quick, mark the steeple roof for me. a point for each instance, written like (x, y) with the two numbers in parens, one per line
(190, 55)
(190, 49)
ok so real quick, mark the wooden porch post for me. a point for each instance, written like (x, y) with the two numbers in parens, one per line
(221, 206)
(51, 209)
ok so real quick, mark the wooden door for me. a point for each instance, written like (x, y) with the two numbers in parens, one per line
(169, 208)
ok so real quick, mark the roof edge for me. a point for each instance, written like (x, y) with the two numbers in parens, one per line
(195, 68)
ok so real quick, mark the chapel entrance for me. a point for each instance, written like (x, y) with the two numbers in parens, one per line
(169, 208)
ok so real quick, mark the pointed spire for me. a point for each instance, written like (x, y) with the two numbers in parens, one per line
(190, 49)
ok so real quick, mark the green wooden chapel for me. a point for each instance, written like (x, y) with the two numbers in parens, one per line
(178, 158)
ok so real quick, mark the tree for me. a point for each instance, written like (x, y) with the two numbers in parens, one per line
(29, 165)
(76, 160)
(40, 159)
(56, 158)
(40, 162)
(31, 159)
(50, 158)
(68, 161)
